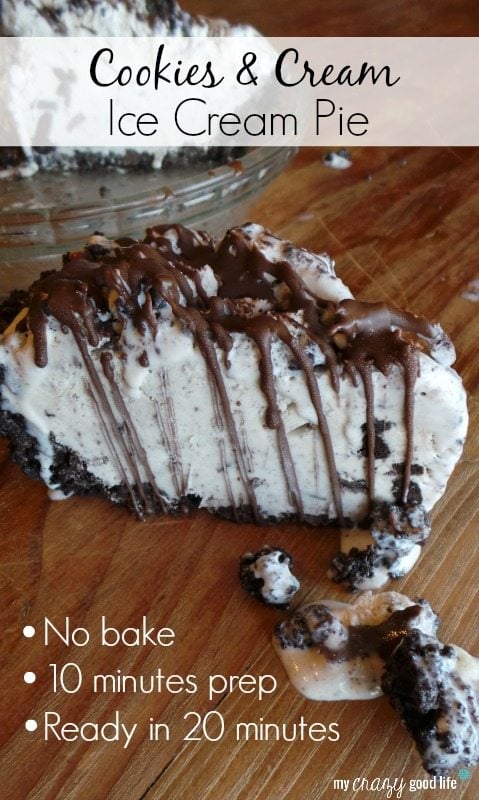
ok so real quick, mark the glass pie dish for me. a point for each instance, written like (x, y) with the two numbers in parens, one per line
(46, 215)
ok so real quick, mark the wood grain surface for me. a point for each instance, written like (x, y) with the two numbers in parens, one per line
(402, 226)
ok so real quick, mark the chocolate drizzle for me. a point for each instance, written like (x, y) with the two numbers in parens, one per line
(316, 626)
(379, 336)
(382, 638)
(134, 445)
(169, 430)
(138, 279)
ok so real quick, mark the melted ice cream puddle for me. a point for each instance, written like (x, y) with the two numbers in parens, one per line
(336, 651)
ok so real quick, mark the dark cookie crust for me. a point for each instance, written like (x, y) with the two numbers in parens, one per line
(86, 161)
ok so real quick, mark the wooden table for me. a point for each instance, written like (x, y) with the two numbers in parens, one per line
(402, 227)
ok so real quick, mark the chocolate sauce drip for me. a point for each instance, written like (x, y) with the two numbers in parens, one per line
(355, 317)
(411, 371)
(372, 341)
(139, 277)
(201, 330)
(262, 329)
(229, 489)
(194, 247)
(169, 432)
(114, 454)
(110, 427)
(134, 440)
(384, 637)
(72, 305)
(219, 425)
(294, 492)
(366, 369)
(363, 640)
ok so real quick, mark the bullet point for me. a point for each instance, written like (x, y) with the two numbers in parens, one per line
(29, 631)
(31, 725)
(29, 677)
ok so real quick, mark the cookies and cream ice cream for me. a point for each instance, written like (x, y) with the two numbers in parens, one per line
(238, 375)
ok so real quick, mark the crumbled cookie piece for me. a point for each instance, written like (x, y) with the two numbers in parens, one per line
(390, 550)
(340, 159)
(266, 575)
(434, 688)
(355, 568)
(311, 625)
(408, 522)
